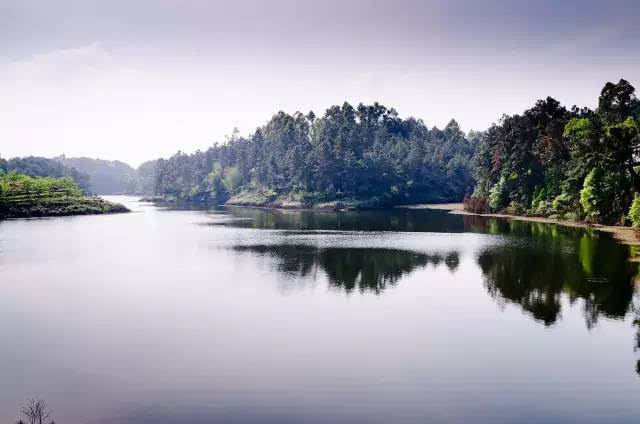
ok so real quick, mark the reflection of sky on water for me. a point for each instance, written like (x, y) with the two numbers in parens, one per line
(154, 317)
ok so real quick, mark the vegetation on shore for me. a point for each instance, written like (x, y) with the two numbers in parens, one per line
(365, 156)
(572, 164)
(22, 196)
(577, 164)
(91, 175)
(35, 166)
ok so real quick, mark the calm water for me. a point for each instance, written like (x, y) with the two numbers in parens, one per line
(245, 316)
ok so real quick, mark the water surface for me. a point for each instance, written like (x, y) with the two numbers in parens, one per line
(171, 315)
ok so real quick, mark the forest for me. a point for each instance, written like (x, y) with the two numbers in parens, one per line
(570, 163)
(363, 157)
(576, 164)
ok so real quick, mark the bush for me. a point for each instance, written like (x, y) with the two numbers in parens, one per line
(603, 197)
(516, 208)
(561, 205)
(497, 194)
(475, 204)
(232, 180)
(541, 207)
(591, 195)
(634, 211)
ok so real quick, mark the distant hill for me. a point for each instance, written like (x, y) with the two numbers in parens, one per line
(106, 177)
(35, 166)
(113, 177)
(146, 177)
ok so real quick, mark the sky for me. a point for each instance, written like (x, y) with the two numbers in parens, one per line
(135, 80)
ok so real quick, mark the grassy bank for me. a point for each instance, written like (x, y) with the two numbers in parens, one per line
(86, 205)
(25, 197)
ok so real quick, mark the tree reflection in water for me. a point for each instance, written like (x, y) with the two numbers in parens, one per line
(364, 269)
(561, 262)
(539, 269)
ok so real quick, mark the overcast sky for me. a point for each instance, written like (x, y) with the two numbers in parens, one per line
(135, 80)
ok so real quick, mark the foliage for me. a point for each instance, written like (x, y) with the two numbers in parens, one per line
(18, 186)
(347, 154)
(475, 204)
(25, 196)
(592, 196)
(634, 211)
(574, 163)
(232, 180)
(42, 167)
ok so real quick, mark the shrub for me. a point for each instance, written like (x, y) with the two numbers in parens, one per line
(232, 180)
(572, 216)
(516, 208)
(591, 194)
(497, 194)
(541, 207)
(561, 204)
(603, 196)
(634, 211)
(475, 204)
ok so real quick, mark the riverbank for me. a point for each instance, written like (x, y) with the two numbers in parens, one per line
(625, 235)
(85, 205)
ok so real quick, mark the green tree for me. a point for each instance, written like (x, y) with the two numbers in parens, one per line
(232, 180)
(634, 211)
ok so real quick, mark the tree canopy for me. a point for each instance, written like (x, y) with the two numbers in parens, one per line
(34, 166)
(366, 152)
(551, 161)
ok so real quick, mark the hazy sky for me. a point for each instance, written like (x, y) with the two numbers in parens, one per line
(135, 80)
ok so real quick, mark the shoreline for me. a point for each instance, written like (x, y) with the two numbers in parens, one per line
(624, 235)
(51, 208)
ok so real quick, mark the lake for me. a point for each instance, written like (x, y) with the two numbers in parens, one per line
(172, 315)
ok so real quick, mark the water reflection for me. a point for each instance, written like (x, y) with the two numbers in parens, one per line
(362, 269)
(559, 262)
(407, 220)
(541, 268)
(537, 274)
(432, 347)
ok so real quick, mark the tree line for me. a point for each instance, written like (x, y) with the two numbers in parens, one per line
(572, 163)
(578, 163)
(366, 154)
(91, 175)
(34, 166)
(16, 187)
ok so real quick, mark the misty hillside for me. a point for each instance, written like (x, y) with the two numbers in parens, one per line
(106, 177)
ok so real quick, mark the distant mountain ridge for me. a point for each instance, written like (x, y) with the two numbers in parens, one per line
(106, 177)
